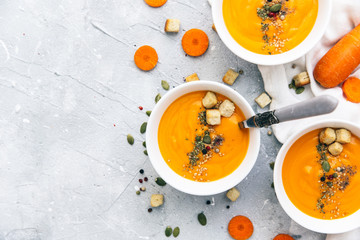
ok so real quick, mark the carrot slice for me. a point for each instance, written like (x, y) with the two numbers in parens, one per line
(283, 237)
(155, 3)
(195, 42)
(240, 228)
(351, 89)
(146, 58)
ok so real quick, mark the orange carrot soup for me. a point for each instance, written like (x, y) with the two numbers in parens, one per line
(269, 27)
(192, 147)
(318, 183)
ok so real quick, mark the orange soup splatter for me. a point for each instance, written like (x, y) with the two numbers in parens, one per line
(183, 121)
(269, 27)
(320, 194)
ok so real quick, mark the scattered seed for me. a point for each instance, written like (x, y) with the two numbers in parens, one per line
(329, 184)
(137, 192)
(159, 181)
(241, 72)
(146, 179)
(149, 210)
(168, 231)
(157, 98)
(176, 232)
(165, 85)
(140, 180)
(148, 113)
(293, 66)
(204, 151)
(146, 153)
(322, 179)
(202, 219)
(130, 139)
(207, 139)
(275, 8)
(208, 202)
(143, 127)
(269, 133)
(335, 175)
(272, 185)
(282, 17)
(141, 171)
(272, 164)
(143, 189)
(141, 108)
(326, 166)
(227, 206)
(299, 90)
(144, 144)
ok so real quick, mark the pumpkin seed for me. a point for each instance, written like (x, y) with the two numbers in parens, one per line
(326, 166)
(207, 139)
(202, 219)
(144, 144)
(299, 90)
(165, 85)
(130, 139)
(143, 127)
(176, 232)
(157, 98)
(168, 231)
(159, 181)
(267, 7)
(275, 8)
(145, 152)
(148, 113)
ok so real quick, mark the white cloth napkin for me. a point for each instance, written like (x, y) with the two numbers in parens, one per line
(345, 16)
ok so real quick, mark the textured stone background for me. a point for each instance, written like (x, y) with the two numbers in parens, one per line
(69, 95)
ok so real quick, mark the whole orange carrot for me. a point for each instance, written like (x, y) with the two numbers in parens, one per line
(340, 61)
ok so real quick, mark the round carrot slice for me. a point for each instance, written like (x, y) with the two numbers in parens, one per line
(155, 3)
(146, 58)
(195, 42)
(240, 228)
(283, 237)
(351, 89)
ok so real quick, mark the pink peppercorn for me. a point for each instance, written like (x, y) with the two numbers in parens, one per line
(141, 108)
(271, 14)
(140, 181)
(208, 148)
(145, 179)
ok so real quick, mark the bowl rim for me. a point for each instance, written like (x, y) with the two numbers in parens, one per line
(318, 30)
(335, 226)
(185, 185)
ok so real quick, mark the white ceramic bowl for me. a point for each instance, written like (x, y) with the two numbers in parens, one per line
(314, 36)
(179, 182)
(318, 225)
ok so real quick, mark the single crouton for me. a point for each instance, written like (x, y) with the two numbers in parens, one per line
(343, 136)
(230, 77)
(227, 108)
(213, 27)
(263, 100)
(172, 25)
(192, 77)
(209, 100)
(301, 79)
(327, 136)
(233, 194)
(156, 200)
(213, 117)
(335, 149)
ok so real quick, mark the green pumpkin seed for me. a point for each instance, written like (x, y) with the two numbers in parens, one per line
(299, 90)
(275, 8)
(144, 144)
(143, 127)
(157, 98)
(198, 138)
(267, 7)
(207, 139)
(148, 113)
(165, 85)
(176, 232)
(202, 219)
(168, 231)
(335, 175)
(130, 139)
(272, 164)
(159, 181)
(326, 166)
(330, 184)
(145, 152)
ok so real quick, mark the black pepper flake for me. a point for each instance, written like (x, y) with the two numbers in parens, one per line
(208, 202)
(141, 171)
(227, 206)
(150, 210)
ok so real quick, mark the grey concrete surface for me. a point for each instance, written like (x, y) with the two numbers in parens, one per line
(69, 95)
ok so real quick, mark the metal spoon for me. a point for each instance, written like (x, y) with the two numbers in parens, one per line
(313, 107)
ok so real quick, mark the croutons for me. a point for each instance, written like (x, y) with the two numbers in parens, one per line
(301, 79)
(233, 194)
(227, 108)
(156, 200)
(343, 136)
(172, 25)
(213, 117)
(335, 149)
(263, 100)
(327, 136)
(210, 100)
(192, 77)
(213, 27)
(230, 77)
